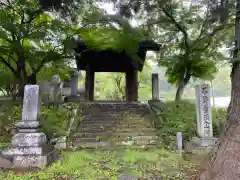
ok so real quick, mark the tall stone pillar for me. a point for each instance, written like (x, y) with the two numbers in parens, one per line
(155, 87)
(132, 85)
(74, 83)
(89, 84)
(204, 118)
(155, 90)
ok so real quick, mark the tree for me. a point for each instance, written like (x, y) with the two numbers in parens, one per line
(224, 163)
(190, 42)
(29, 38)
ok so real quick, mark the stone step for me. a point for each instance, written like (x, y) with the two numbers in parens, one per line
(116, 105)
(109, 115)
(107, 137)
(114, 126)
(91, 144)
(128, 134)
(86, 123)
(92, 139)
(145, 129)
(138, 142)
(117, 144)
(116, 131)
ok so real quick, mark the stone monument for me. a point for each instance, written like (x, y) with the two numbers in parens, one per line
(204, 117)
(155, 87)
(30, 147)
(56, 88)
(74, 96)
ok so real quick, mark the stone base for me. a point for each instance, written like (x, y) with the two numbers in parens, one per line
(29, 150)
(21, 151)
(33, 161)
(5, 163)
(200, 144)
(30, 157)
(155, 102)
(204, 142)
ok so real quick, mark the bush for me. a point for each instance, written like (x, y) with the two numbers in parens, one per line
(181, 117)
(54, 121)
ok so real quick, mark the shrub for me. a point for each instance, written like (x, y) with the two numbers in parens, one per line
(181, 117)
(54, 121)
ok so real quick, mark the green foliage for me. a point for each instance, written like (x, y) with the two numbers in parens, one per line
(60, 68)
(191, 44)
(54, 121)
(30, 38)
(99, 38)
(111, 86)
(7, 80)
(181, 117)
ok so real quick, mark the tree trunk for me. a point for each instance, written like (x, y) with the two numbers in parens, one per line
(185, 78)
(224, 163)
(180, 91)
(32, 79)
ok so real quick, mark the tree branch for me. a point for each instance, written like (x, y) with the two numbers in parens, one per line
(177, 25)
(8, 65)
(34, 16)
(210, 35)
(204, 23)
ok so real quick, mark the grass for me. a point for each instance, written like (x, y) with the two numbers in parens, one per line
(181, 117)
(92, 165)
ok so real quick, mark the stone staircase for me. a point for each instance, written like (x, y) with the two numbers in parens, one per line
(115, 124)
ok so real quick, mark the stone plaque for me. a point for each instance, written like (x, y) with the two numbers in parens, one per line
(30, 103)
(204, 116)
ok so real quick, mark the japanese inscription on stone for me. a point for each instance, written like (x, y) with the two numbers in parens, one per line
(205, 110)
(30, 103)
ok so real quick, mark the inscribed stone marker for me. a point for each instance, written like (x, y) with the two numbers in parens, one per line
(30, 103)
(30, 148)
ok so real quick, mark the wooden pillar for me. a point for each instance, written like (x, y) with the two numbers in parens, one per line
(132, 85)
(89, 84)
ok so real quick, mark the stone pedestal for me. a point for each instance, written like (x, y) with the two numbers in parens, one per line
(30, 147)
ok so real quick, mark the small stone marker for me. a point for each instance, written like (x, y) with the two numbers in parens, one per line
(30, 148)
(179, 141)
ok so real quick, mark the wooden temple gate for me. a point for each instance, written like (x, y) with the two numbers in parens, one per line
(93, 61)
